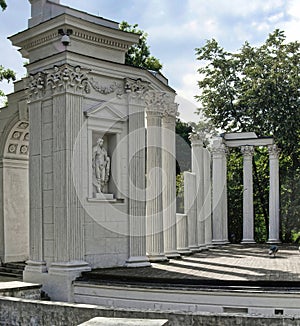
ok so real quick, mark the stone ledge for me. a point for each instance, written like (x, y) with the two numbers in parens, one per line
(101, 321)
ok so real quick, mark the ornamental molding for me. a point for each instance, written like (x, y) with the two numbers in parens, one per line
(247, 150)
(106, 41)
(218, 148)
(136, 87)
(197, 139)
(161, 102)
(67, 77)
(274, 151)
(41, 40)
(57, 80)
(17, 144)
(115, 87)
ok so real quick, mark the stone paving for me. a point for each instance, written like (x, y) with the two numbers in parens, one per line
(228, 263)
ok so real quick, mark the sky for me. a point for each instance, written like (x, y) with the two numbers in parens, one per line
(175, 28)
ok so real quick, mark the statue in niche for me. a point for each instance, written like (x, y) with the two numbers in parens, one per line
(101, 166)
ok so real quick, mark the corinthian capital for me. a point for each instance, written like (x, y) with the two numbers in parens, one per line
(197, 139)
(273, 151)
(247, 150)
(162, 102)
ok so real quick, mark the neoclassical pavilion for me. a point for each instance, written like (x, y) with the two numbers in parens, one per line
(81, 91)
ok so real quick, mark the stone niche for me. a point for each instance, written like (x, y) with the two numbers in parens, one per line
(106, 224)
(107, 125)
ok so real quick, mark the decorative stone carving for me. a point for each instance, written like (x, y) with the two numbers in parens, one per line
(12, 148)
(274, 151)
(23, 125)
(197, 138)
(218, 147)
(67, 77)
(18, 141)
(247, 150)
(161, 102)
(101, 166)
(136, 86)
(24, 150)
(37, 85)
(58, 79)
(105, 90)
(16, 135)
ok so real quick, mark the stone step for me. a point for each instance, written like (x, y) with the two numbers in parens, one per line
(11, 271)
(14, 269)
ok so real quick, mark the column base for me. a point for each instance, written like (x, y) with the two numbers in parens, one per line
(184, 251)
(273, 241)
(157, 258)
(138, 261)
(35, 266)
(172, 254)
(194, 248)
(59, 283)
(248, 241)
(219, 242)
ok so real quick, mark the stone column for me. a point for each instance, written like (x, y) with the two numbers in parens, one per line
(274, 194)
(182, 239)
(137, 191)
(219, 193)
(207, 197)
(190, 209)
(154, 211)
(248, 211)
(169, 177)
(36, 263)
(197, 168)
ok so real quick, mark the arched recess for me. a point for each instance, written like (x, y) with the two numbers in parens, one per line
(14, 193)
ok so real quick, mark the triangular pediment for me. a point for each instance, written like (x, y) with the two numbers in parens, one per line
(105, 111)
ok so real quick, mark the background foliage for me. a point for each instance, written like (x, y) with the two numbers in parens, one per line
(257, 89)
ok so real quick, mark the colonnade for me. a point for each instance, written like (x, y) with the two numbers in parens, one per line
(205, 219)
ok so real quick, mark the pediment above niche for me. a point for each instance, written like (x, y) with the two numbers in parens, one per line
(105, 111)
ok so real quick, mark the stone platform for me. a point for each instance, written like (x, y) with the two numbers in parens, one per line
(230, 264)
(234, 279)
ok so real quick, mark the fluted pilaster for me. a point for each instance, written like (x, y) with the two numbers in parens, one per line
(36, 246)
(137, 191)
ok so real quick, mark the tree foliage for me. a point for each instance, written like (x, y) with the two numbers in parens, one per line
(257, 89)
(6, 74)
(3, 4)
(139, 54)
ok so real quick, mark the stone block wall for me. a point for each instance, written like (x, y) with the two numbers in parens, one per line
(15, 311)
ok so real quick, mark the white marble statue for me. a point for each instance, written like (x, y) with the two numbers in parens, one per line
(101, 166)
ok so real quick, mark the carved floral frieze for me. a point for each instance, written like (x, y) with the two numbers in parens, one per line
(115, 87)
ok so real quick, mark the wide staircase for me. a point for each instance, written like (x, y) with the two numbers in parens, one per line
(12, 270)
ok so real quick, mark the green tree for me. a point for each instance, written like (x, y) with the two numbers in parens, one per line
(139, 54)
(3, 4)
(183, 146)
(5, 74)
(257, 89)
